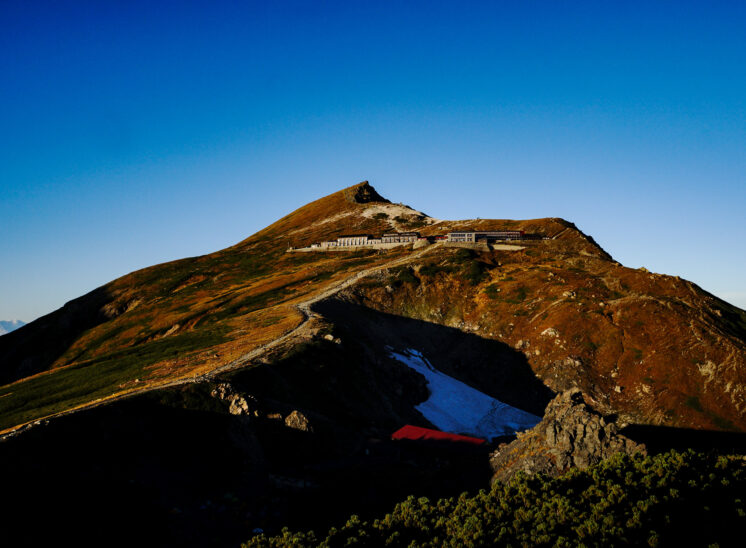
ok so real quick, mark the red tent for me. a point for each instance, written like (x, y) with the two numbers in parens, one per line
(410, 432)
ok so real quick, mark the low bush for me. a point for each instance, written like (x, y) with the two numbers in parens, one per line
(672, 499)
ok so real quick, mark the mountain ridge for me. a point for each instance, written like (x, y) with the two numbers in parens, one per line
(183, 319)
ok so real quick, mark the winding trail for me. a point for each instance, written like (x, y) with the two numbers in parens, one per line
(304, 307)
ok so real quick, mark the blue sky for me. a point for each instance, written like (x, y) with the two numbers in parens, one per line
(134, 133)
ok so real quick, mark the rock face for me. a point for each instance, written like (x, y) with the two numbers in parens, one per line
(571, 434)
(363, 193)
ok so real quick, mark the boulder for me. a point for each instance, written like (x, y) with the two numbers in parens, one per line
(571, 434)
(299, 421)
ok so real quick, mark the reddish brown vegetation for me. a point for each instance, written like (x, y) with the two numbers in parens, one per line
(654, 348)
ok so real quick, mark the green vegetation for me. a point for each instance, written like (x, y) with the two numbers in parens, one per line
(402, 275)
(517, 296)
(475, 272)
(357, 254)
(722, 423)
(462, 256)
(432, 270)
(83, 382)
(416, 223)
(243, 305)
(471, 268)
(693, 402)
(381, 216)
(673, 499)
(590, 346)
(492, 291)
(463, 261)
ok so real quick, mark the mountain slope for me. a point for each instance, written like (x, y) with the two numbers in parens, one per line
(180, 319)
(654, 348)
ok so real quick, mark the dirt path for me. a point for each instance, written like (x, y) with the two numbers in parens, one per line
(303, 307)
(560, 233)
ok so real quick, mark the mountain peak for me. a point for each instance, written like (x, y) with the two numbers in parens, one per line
(6, 326)
(363, 193)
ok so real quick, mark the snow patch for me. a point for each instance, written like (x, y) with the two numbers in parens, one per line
(456, 407)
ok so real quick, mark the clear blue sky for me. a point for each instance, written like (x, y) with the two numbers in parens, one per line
(133, 133)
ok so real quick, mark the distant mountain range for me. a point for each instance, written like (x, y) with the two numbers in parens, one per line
(6, 326)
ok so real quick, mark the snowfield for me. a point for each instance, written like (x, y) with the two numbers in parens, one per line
(460, 409)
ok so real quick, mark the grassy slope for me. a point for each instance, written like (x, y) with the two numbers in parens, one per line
(186, 317)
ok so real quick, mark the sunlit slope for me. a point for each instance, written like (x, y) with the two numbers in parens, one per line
(181, 318)
(654, 348)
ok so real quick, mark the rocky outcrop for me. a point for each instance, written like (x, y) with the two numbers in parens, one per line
(240, 404)
(363, 193)
(247, 405)
(571, 434)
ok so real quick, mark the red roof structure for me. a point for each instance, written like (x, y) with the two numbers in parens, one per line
(410, 432)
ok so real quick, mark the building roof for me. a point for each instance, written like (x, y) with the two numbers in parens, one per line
(411, 432)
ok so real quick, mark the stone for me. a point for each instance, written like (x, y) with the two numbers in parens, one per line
(571, 434)
(239, 404)
(298, 421)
